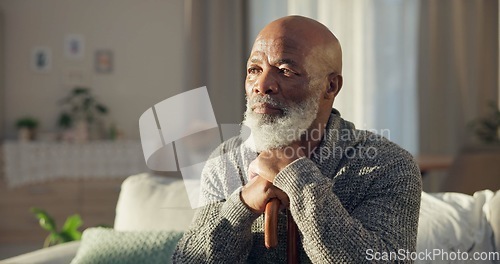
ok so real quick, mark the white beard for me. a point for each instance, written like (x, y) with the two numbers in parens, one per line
(271, 132)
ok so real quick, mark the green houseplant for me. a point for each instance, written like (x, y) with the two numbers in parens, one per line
(69, 231)
(27, 128)
(487, 128)
(81, 112)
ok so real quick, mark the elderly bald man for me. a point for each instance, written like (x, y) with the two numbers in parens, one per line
(352, 193)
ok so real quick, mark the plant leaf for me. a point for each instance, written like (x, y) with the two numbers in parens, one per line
(101, 108)
(80, 90)
(45, 220)
(87, 102)
(53, 239)
(71, 235)
(72, 223)
(65, 120)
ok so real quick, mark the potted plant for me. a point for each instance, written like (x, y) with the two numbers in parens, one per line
(26, 128)
(81, 114)
(69, 231)
(487, 128)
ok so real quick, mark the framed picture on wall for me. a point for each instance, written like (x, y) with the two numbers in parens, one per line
(103, 61)
(74, 46)
(41, 59)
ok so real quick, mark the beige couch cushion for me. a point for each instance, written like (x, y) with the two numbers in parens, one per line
(150, 202)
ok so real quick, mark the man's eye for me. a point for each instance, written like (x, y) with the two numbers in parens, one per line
(253, 70)
(286, 71)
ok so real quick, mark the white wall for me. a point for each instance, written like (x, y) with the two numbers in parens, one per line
(261, 12)
(145, 36)
(380, 33)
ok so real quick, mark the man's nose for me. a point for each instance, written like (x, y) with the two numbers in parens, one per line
(266, 83)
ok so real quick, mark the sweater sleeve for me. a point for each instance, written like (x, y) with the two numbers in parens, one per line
(221, 230)
(385, 221)
(220, 233)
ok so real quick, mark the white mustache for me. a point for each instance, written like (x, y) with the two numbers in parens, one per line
(266, 100)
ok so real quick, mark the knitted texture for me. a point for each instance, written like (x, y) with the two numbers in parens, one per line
(107, 246)
(358, 191)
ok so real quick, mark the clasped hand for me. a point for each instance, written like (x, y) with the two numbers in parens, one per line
(262, 171)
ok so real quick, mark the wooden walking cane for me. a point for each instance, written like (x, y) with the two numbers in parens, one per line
(271, 230)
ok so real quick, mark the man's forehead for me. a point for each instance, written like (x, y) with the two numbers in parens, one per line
(279, 46)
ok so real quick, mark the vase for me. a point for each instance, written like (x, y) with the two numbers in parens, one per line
(81, 134)
(25, 134)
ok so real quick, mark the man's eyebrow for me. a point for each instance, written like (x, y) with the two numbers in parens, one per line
(277, 62)
(255, 60)
(285, 61)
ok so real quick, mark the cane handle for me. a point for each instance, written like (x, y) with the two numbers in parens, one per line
(271, 223)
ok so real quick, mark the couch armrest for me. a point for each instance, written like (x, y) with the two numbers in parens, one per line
(59, 254)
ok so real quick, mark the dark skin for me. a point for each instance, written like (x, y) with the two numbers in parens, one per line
(286, 56)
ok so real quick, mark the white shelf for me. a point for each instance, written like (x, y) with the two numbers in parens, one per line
(33, 162)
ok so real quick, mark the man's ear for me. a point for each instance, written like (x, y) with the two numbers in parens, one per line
(335, 82)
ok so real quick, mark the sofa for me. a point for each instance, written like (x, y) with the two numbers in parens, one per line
(153, 211)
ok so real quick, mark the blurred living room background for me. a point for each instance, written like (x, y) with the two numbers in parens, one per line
(75, 76)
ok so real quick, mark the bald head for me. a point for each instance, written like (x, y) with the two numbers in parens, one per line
(313, 39)
(294, 67)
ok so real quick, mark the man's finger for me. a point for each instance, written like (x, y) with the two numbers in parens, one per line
(253, 169)
(282, 196)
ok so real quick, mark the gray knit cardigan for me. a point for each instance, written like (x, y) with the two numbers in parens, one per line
(358, 194)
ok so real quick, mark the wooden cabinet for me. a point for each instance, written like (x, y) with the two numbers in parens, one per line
(95, 201)
(98, 200)
(62, 179)
(475, 169)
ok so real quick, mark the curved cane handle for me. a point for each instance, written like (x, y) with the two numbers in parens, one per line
(271, 223)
